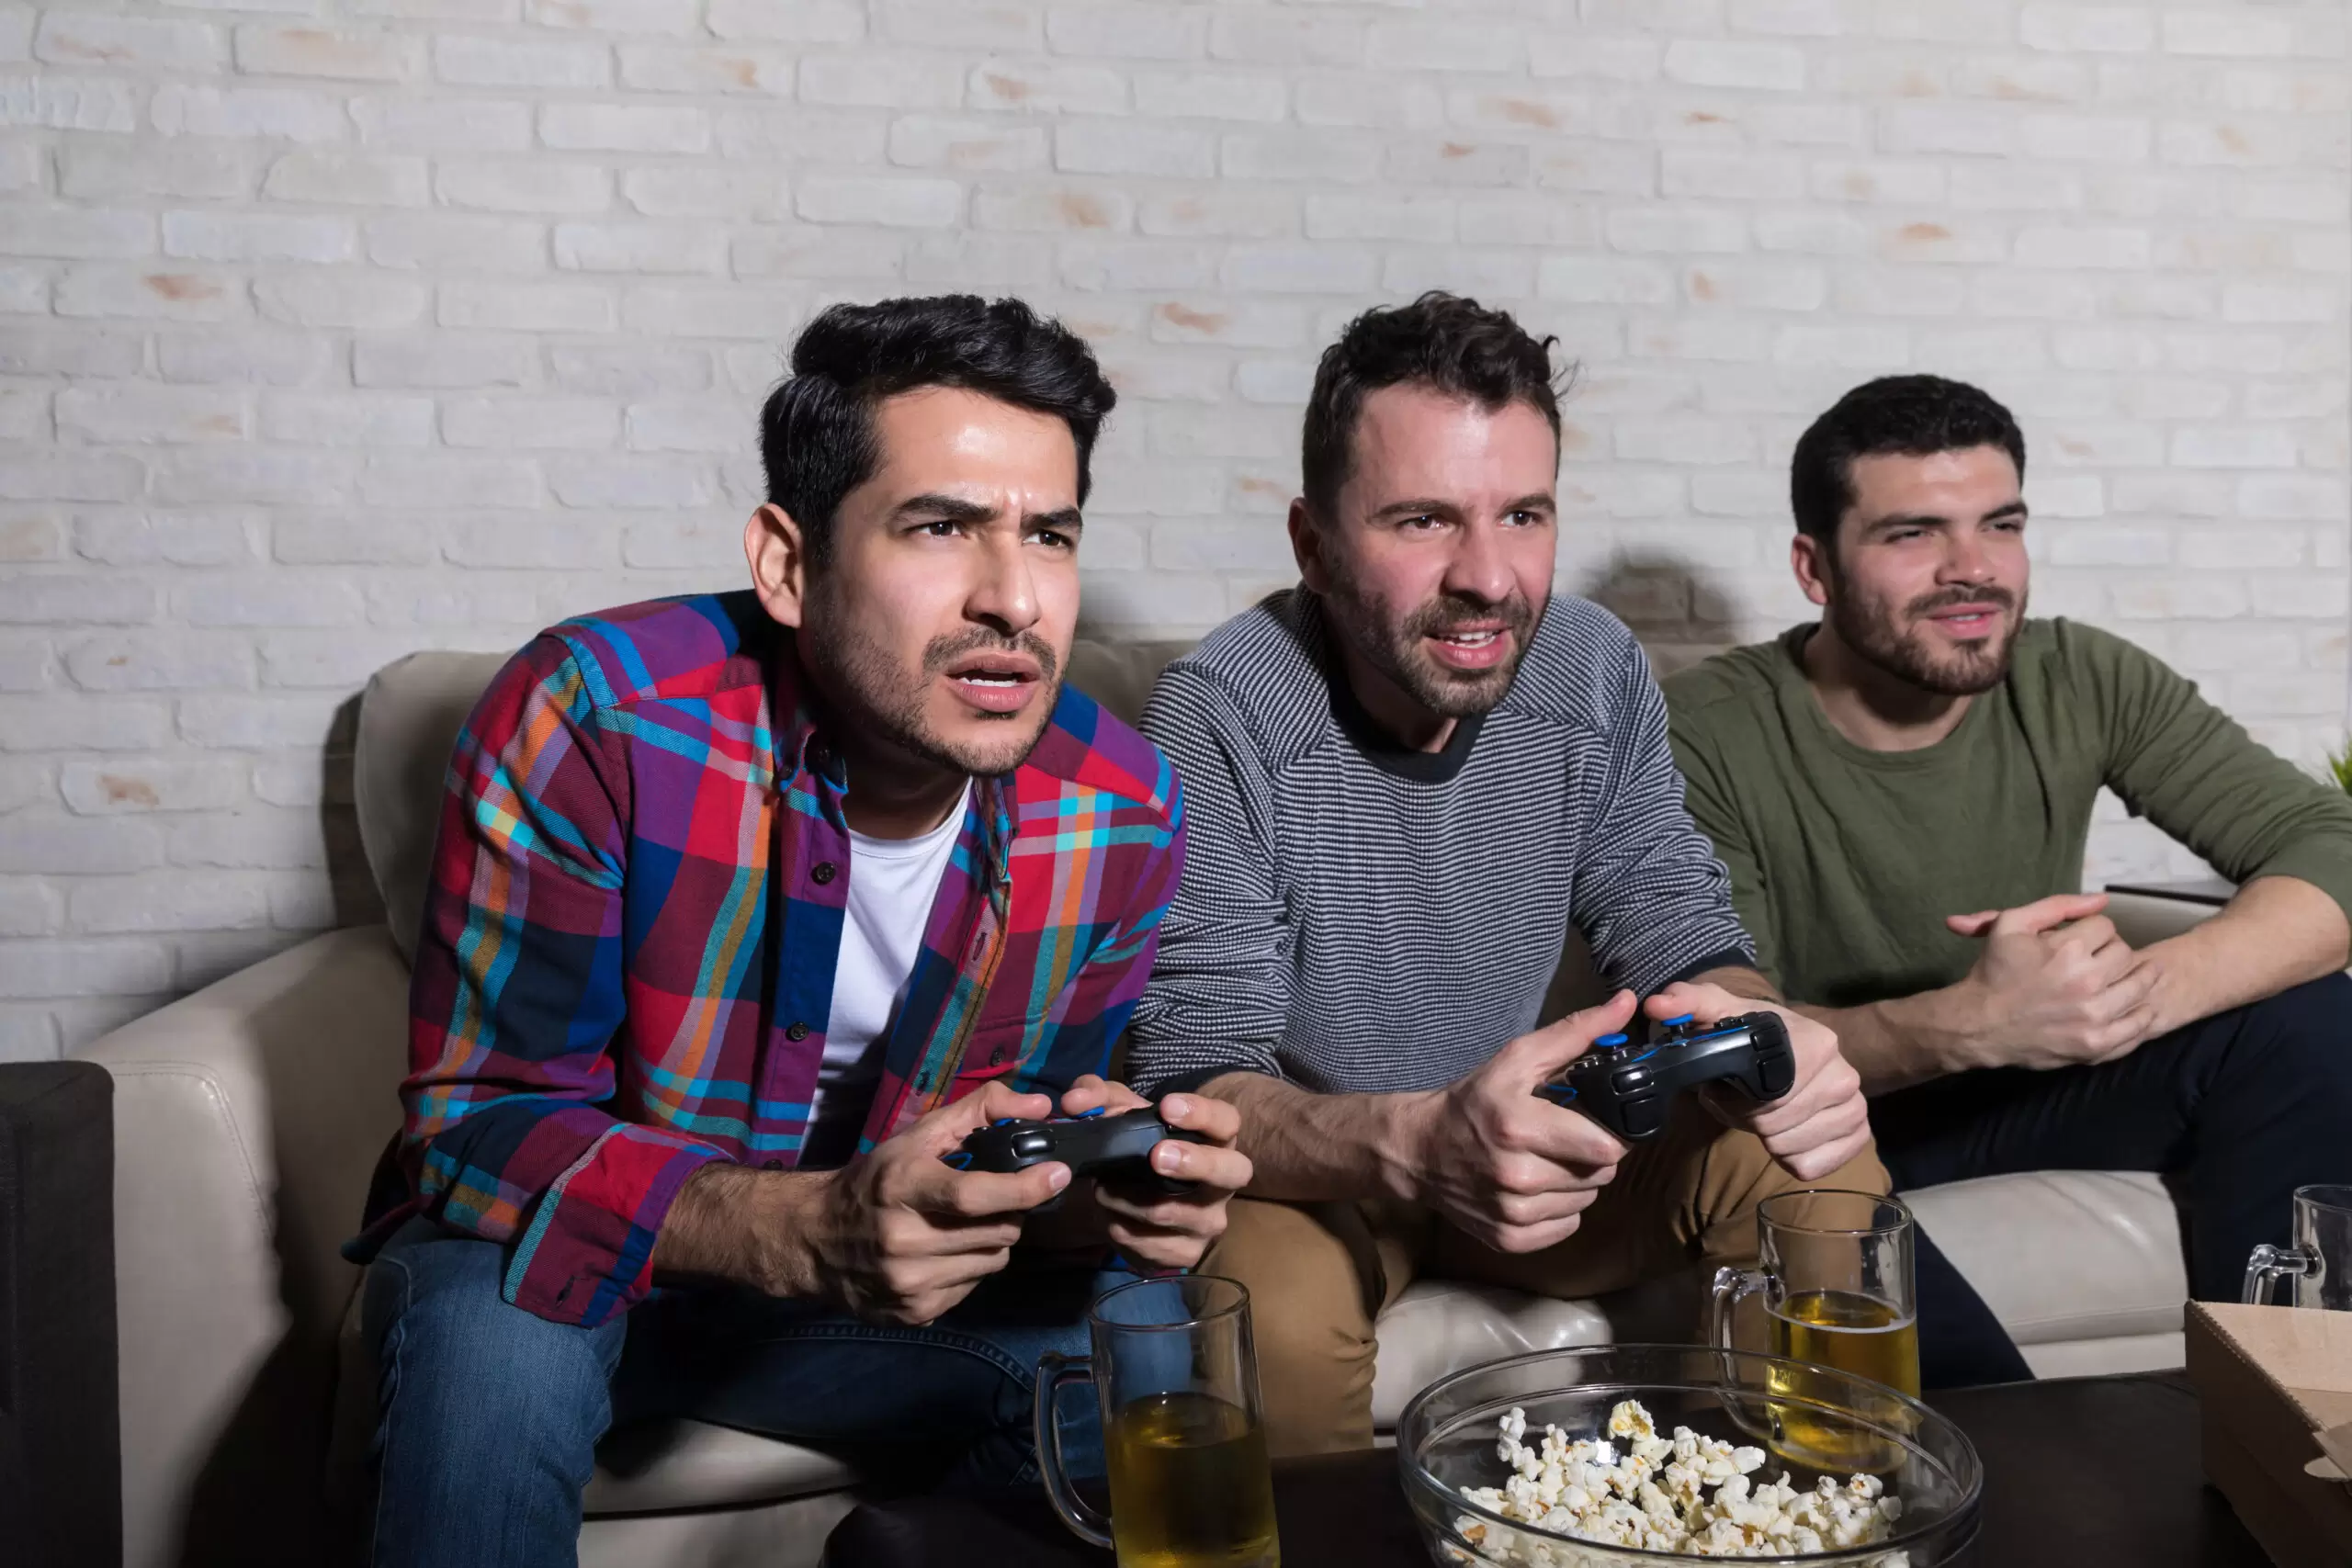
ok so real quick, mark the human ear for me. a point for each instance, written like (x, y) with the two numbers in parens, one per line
(1809, 559)
(778, 556)
(1307, 547)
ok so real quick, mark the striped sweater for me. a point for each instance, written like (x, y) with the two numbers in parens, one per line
(1355, 917)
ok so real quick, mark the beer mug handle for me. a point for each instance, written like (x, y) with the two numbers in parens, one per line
(2267, 1266)
(1732, 1287)
(1053, 1371)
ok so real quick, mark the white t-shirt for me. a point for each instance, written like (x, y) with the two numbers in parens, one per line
(892, 884)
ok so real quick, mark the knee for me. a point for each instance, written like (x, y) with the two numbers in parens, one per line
(2304, 1034)
(1306, 1294)
(463, 1372)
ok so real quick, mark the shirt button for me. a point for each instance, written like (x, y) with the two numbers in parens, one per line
(771, 1164)
(996, 1058)
(822, 874)
(797, 1032)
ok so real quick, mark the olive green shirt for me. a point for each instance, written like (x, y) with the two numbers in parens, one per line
(1843, 860)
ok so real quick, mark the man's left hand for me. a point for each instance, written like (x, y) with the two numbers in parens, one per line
(1170, 1232)
(1822, 1121)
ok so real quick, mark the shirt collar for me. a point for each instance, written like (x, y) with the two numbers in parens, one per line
(805, 759)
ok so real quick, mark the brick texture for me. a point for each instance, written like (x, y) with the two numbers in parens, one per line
(331, 331)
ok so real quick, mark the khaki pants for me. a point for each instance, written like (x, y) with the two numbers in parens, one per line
(1320, 1274)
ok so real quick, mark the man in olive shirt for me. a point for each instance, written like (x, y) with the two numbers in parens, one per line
(1902, 793)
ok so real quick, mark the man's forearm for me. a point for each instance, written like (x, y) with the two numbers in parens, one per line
(1309, 1147)
(1897, 1043)
(1892, 1044)
(2278, 932)
(745, 1228)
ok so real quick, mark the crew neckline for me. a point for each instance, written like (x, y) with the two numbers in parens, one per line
(1797, 693)
(1372, 740)
(921, 843)
(1377, 746)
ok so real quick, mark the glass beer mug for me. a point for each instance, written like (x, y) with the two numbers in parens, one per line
(2319, 1260)
(1837, 1282)
(1176, 1374)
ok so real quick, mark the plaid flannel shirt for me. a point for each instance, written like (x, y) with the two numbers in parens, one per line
(626, 962)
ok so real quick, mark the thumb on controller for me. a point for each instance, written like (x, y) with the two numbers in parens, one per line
(947, 1128)
(1537, 1057)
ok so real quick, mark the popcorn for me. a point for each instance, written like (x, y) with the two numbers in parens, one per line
(1646, 1491)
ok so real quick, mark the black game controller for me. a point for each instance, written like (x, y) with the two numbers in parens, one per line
(1114, 1149)
(1627, 1087)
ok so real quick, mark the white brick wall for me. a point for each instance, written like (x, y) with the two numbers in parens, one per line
(327, 333)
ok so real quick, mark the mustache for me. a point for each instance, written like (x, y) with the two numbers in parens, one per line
(943, 652)
(1952, 598)
(1443, 615)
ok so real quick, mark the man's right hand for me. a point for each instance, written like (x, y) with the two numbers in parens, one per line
(2054, 987)
(896, 1235)
(1511, 1168)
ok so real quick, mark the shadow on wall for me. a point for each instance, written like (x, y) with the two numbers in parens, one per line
(1679, 612)
(350, 886)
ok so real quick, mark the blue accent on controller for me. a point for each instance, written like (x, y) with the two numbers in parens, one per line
(1630, 1096)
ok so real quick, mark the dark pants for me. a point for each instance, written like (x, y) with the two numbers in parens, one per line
(2242, 1108)
(491, 1417)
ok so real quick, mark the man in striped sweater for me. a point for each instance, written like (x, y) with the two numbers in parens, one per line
(1407, 780)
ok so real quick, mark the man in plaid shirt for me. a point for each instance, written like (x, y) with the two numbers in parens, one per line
(746, 909)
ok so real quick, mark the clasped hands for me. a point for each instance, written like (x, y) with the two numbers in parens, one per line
(2055, 986)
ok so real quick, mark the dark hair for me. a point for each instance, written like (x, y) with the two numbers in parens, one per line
(1915, 415)
(817, 433)
(1440, 341)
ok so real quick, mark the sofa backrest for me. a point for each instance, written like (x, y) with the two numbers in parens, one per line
(413, 707)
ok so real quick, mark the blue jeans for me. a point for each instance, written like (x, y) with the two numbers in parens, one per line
(490, 1417)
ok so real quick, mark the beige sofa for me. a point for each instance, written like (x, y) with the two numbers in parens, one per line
(249, 1115)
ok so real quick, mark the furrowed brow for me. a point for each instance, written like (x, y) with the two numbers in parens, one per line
(946, 509)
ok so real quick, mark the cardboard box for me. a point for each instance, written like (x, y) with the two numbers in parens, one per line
(2269, 1381)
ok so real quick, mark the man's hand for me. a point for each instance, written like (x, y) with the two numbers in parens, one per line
(2054, 987)
(894, 1235)
(1168, 1231)
(1822, 1121)
(1509, 1168)
(902, 1236)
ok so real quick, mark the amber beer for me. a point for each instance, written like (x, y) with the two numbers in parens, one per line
(1840, 1291)
(1175, 1374)
(1853, 1333)
(1190, 1485)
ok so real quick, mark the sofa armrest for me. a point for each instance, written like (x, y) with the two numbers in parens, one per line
(2142, 918)
(247, 1119)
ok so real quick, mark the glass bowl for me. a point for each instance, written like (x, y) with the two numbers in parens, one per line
(1810, 1420)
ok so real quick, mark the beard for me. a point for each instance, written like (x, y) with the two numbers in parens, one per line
(873, 690)
(1889, 639)
(1393, 643)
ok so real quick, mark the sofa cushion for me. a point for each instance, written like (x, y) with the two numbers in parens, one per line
(2064, 1255)
(415, 706)
(657, 1467)
(409, 719)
